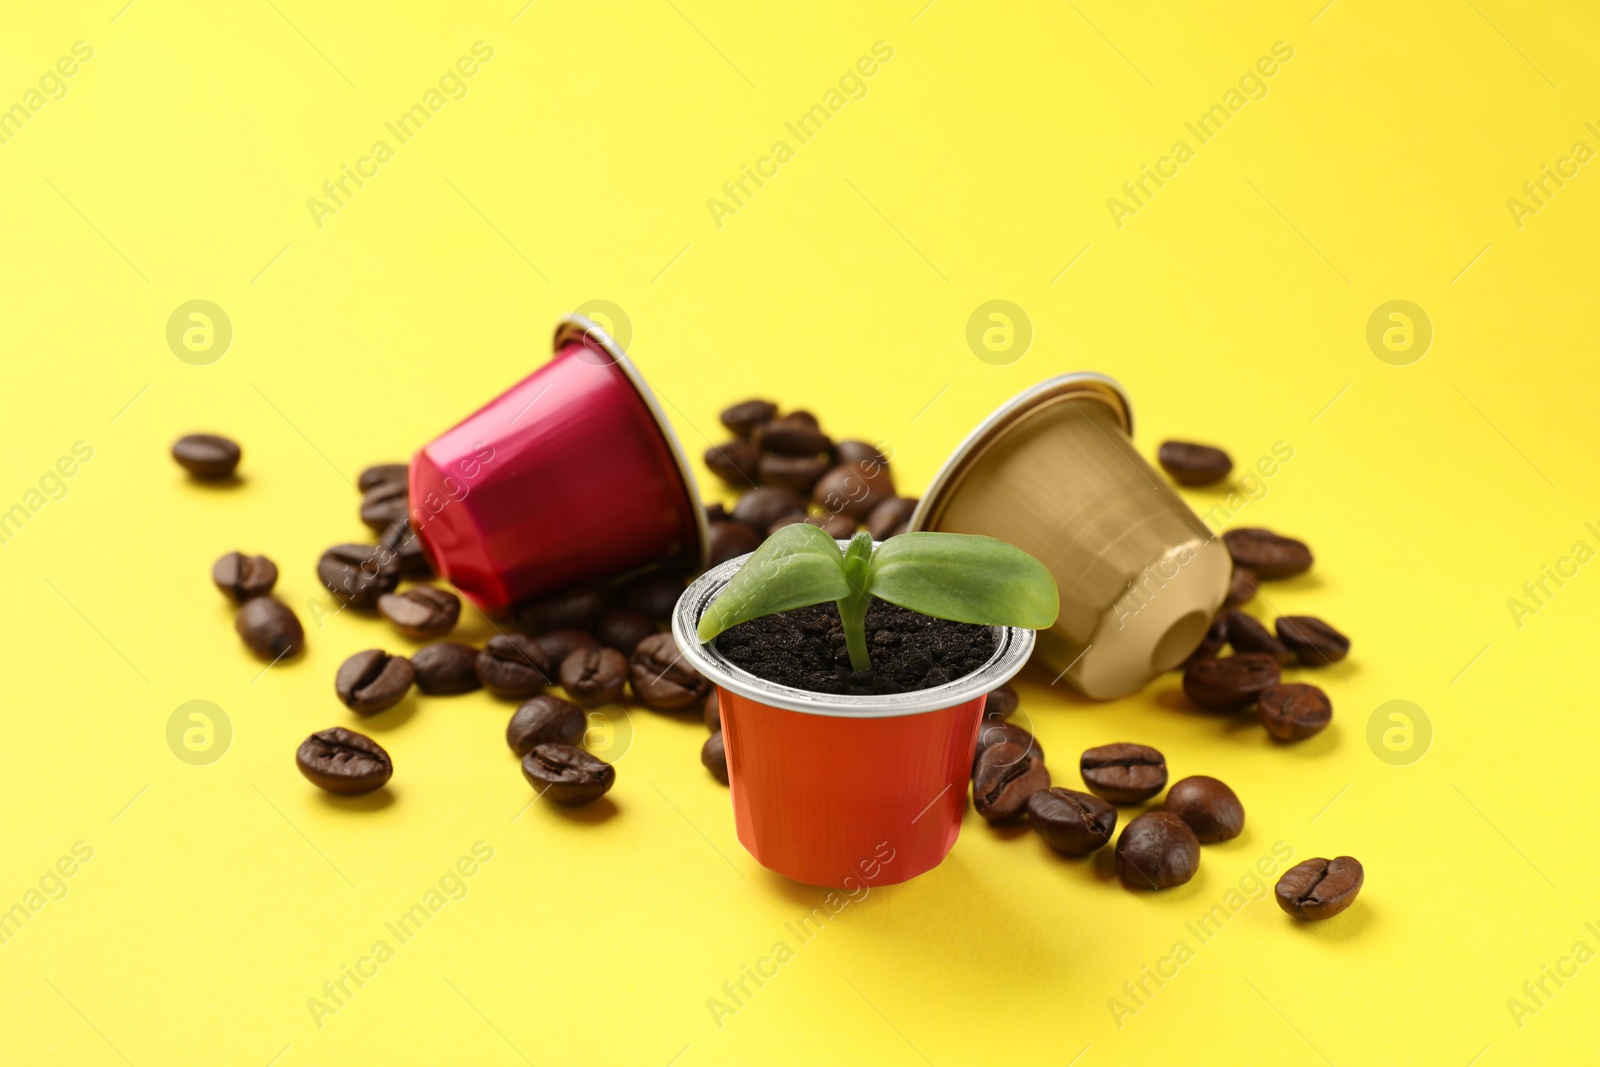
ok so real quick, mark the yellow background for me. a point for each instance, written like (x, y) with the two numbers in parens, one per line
(1233, 306)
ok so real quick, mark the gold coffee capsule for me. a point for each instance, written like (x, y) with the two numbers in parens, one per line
(1054, 472)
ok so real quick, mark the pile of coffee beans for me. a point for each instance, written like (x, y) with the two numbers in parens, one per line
(788, 470)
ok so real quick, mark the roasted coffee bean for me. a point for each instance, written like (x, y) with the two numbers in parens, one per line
(511, 665)
(545, 719)
(760, 508)
(1071, 822)
(794, 434)
(559, 644)
(270, 628)
(343, 761)
(654, 594)
(746, 415)
(403, 542)
(848, 452)
(372, 681)
(1229, 683)
(891, 517)
(207, 456)
(1294, 711)
(575, 609)
(1241, 587)
(422, 612)
(383, 474)
(1320, 888)
(567, 775)
(1248, 634)
(802, 415)
(730, 540)
(716, 512)
(662, 678)
(241, 577)
(1315, 642)
(1216, 636)
(993, 732)
(1211, 809)
(799, 473)
(385, 504)
(1006, 776)
(1192, 464)
(359, 574)
(1001, 704)
(1266, 553)
(623, 629)
(715, 757)
(1157, 850)
(594, 675)
(713, 712)
(446, 668)
(1123, 773)
(854, 489)
(736, 462)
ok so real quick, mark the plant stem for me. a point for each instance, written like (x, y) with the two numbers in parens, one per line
(853, 608)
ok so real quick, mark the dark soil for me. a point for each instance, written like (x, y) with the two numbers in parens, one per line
(805, 649)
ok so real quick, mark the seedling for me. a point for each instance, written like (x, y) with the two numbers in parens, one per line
(960, 577)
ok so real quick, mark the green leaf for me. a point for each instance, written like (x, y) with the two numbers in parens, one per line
(965, 578)
(794, 568)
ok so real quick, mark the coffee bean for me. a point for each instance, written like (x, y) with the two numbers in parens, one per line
(1157, 850)
(1006, 776)
(545, 719)
(1320, 888)
(891, 517)
(372, 681)
(654, 594)
(730, 540)
(446, 668)
(1123, 773)
(1211, 809)
(858, 452)
(575, 609)
(736, 462)
(714, 755)
(1314, 641)
(383, 474)
(1247, 634)
(802, 415)
(1192, 464)
(760, 508)
(1229, 683)
(716, 512)
(1216, 636)
(359, 574)
(567, 775)
(792, 435)
(385, 504)
(623, 629)
(1071, 822)
(422, 612)
(713, 712)
(799, 473)
(512, 666)
(993, 732)
(557, 645)
(854, 489)
(343, 761)
(746, 415)
(270, 628)
(594, 675)
(1002, 703)
(1241, 587)
(241, 577)
(1266, 553)
(1294, 711)
(401, 540)
(207, 456)
(662, 678)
